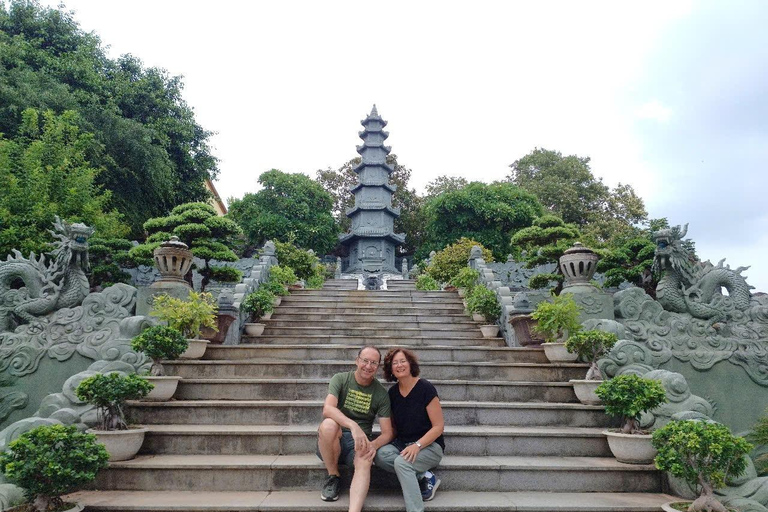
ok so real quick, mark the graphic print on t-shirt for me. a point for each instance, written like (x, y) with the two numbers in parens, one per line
(358, 402)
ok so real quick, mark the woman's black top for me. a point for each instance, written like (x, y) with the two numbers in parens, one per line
(410, 412)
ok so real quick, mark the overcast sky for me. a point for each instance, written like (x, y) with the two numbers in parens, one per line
(670, 97)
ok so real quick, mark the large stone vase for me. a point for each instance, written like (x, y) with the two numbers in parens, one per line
(490, 330)
(524, 334)
(121, 444)
(578, 264)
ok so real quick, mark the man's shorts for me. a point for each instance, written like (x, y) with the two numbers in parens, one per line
(347, 454)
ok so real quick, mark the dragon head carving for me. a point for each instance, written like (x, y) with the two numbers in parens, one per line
(72, 243)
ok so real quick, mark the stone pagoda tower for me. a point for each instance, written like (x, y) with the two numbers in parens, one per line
(371, 242)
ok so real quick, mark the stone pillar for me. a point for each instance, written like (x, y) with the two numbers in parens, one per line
(173, 260)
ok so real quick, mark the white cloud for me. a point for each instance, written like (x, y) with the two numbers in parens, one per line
(654, 110)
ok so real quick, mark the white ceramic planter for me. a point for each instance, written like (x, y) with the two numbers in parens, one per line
(556, 353)
(164, 389)
(631, 448)
(121, 444)
(277, 301)
(195, 350)
(585, 391)
(266, 316)
(667, 507)
(254, 329)
(489, 331)
(477, 317)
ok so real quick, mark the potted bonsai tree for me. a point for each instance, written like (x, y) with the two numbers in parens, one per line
(160, 343)
(50, 461)
(188, 316)
(590, 346)
(484, 302)
(258, 304)
(109, 392)
(704, 454)
(465, 280)
(555, 321)
(627, 397)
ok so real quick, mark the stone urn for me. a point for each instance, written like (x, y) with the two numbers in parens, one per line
(578, 264)
(490, 330)
(173, 260)
(585, 391)
(254, 329)
(557, 353)
(164, 389)
(121, 444)
(195, 349)
(631, 448)
(523, 326)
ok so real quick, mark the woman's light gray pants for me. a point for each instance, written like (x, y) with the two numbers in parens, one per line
(388, 458)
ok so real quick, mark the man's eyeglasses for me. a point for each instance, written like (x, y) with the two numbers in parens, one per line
(368, 362)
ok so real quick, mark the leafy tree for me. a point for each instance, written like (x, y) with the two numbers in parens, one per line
(489, 214)
(290, 208)
(545, 242)
(145, 136)
(108, 258)
(567, 188)
(302, 262)
(208, 236)
(451, 261)
(444, 183)
(44, 172)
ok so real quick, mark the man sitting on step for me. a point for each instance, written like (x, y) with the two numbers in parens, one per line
(354, 399)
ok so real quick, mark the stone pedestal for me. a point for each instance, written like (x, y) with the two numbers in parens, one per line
(578, 265)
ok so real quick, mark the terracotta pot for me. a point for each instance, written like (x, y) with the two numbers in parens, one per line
(585, 391)
(254, 329)
(556, 353)
(195, 350)
(121, 444)
(631, 448)
(523, 326)
(164, 388)
(477, 317)
(490, 331)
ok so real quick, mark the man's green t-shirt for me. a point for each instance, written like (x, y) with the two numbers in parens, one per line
(360, 403)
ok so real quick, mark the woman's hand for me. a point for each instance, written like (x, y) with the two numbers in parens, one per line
(410, 452)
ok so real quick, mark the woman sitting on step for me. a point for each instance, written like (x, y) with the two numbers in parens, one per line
(417, 418)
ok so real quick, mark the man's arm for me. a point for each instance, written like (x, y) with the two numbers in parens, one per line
(331, 410)
(387, 433)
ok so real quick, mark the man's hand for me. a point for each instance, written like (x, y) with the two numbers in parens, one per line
(370, 454)
(410, 452)
(362, 444)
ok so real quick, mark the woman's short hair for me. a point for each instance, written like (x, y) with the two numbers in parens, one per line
(409, 355)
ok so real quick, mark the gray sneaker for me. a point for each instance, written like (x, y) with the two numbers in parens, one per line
(330, 490)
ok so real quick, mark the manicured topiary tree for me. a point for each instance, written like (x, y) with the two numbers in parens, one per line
(628, 396)
(704, 454)
(484, 302)
(558, 319)
(160, 342)
(591, 346)
(109, 392)
(50, 461)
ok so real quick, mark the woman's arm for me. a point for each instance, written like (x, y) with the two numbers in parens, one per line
(435, 413)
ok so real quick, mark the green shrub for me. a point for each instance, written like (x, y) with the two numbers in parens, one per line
(275, 287)
(591, 346)
(465, 278)
(188, 316)
(484, 302)
(52, 460)
(226, 274)
(557, 319)
(160, 342)
(628, 396)
(449, 262)
(283, 275)
(329, 271)
(109, 392)
(759, 436)
(259, 303)
(704, 454)
(316, 280)
(302, 262)
(426, 282)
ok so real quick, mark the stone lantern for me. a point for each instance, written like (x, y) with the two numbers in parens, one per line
(578, 265)
(173, 260)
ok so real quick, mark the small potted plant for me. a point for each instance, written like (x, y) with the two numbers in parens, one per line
(627, 397)
(465, 280)
(483, 301)
(109, 392)
(704, 454)
(50, 461)
(188, 316)
(555, 321)
(258, 304)
(160, 343)
(425, 282)
(590, 346)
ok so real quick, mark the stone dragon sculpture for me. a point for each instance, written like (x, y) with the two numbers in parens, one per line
(35, 286)
(688, 286)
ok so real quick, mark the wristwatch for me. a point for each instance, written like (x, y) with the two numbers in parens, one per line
(418, 444)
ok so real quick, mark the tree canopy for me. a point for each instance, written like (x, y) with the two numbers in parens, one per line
(489, 214)
(289, 208)
(145, 136)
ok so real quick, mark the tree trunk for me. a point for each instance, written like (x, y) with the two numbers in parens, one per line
(707, 502)
(157, 369)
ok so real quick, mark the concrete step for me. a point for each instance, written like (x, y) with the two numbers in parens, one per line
(307, 472)
(309, 412)
(389, 299)
(372, 293)
(317, 389)
(431, 353)
(434, 324)
(384, 309)
(377, 501)
(302, 439)
(398, 330)
(358, 318)
(501, 371)
(360, 341)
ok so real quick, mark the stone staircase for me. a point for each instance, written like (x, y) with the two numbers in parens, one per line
(241, 433)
